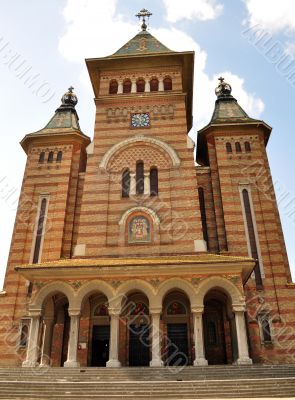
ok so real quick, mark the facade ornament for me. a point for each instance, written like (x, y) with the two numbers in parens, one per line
(155, 282)
(76, 284)
(115, 284)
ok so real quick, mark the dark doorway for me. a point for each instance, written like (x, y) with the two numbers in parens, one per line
(214, 336)
(139, 346)
(100, 345)
(177, 346)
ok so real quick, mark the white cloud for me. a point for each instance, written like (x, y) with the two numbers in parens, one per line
(93, 29)
(274, 15)
(190, 9)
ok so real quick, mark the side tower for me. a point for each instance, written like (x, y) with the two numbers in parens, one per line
(44, 227)
(241, 218)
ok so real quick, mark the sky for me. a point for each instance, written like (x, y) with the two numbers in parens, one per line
(43, 46)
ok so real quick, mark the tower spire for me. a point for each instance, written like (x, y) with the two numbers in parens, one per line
(142, 14)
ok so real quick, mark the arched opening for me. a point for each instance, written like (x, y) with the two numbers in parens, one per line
(154, 85)
(219, 329)
(247, 147)
(154, 189)
(135, 327)
(42, 157)
(113, 88)
(238, 147)
(228, 147)
(50, 156)
(177, 329)
(59, 156)
(127, 86)
(94, 330)
(140, 85)
(139, 177)
(167, 83)
(126, 183)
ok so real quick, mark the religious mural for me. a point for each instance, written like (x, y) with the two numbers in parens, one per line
(139, 230)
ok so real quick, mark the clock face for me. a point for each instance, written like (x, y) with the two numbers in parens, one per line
(140, 120)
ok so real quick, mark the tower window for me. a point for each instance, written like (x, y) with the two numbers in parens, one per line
(24, 335)
(127, 86)
(50, 156)
(59, 156)
(265, 328)
(238, 147)
(39, 231)
(228, 147)
(154, 182)
(113, 89)
(251, 235)
(42, 157)
(139, 177)
(203, 214)
(247, 147)
(154, 85)
(167, 83)
(126, 183)
(140, 85)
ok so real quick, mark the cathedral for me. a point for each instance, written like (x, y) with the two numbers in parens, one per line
(135, 248)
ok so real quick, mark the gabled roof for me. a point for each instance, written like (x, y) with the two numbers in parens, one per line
(142, 43)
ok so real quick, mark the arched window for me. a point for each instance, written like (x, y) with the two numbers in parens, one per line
(113, 89)
(154, 85)
(126, 183)
(167, 83)
(140, 85)
(139, 177)
(42, 157)
(203, 213)
(238, 147)
(265, 328)
(247, 147)
(154, 181)
(127, 86)
(59, 156)
(228, 148)
(251, 235)
(24, 336)
(50, 156)
(39, 231)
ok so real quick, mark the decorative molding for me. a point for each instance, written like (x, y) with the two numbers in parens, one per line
(155, 282)
(115, 283)
(75, 284)
(122, 114)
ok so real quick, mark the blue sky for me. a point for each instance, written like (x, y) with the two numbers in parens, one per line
(50, 40)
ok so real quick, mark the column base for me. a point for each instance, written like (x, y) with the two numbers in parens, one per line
(243, 361)
(71, 364)
(156, 363)
(113, 364)
(30, 364)
(200, 361)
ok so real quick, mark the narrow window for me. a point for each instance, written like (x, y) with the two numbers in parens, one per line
(59, 156)
(251, 235)
(247, 147)
(24, 336)
(42, 157)
(50, 156)
(228, 148)
(139, 177)
(30, 289)
(154, 182)
(154, 85)
(265, 328)
(140, 85)
(238, 147)
(126, 183)
(127, 86)
(113, 89)
(39, 232)
(167, 83)
(203, 213)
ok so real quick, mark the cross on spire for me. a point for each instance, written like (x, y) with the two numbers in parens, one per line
(221, 79)
(143, 14)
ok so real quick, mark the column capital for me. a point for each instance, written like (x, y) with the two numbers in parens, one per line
(35, 313)
(155, 311)
(114, 312)
(197, 310)
(239, 308)
(74, 312)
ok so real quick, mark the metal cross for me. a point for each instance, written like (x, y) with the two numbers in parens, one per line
(143, 14)
(221, 79)
(71, 89)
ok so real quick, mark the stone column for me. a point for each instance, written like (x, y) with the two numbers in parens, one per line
(120, 87)
(161, 84)
(198, 337)
(133, 86)
(156, 339)
(147, 86)
(147, 188)
(114, 340)
(132, 184)
(33, 345)
(73, 339)
(243, 351)
(47, 340)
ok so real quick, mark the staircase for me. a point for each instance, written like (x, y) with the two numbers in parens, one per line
(148, 383)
